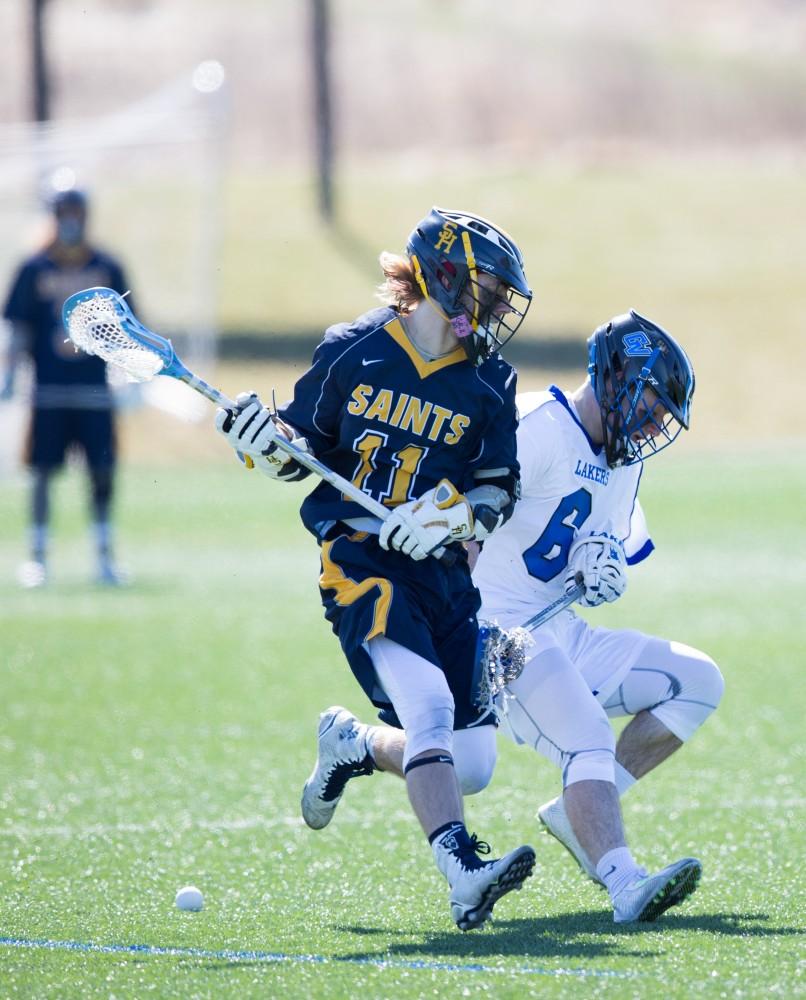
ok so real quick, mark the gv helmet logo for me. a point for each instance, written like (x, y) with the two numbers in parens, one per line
(636, 345)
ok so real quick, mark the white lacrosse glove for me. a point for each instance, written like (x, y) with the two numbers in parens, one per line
(600, 558)
(416, 528)
(250, 428)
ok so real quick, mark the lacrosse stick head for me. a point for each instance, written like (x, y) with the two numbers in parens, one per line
(500, 659)
(99, 321)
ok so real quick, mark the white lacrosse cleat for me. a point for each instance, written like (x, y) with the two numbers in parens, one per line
(476, 885)
(647, 896)
(32, 574)
(343, 754)
(556, 822)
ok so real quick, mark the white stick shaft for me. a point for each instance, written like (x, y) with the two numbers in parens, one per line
(347, 488)
(208, 391)
(310, 462)
(554, 608)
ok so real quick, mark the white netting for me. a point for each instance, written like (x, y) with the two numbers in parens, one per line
(94, 327)
(502, 656)
(153, 172)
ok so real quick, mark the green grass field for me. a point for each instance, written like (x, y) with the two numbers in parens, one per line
(160, 735)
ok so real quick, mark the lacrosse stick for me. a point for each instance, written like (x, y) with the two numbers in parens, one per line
(501, 652)
(100, 322)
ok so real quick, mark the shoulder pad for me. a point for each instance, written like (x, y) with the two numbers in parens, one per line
(528, 402)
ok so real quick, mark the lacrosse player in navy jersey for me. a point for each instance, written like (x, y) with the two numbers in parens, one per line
(72, 403)
(413, 404)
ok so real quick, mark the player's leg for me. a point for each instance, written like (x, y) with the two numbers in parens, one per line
(555, 711)
(475, 753)
(45, 451)
(33, 573)
(349, 749)
(424, 704)
(96, 434)
(388, 632)
(644, 743)
(101, 491)
(670, 691)
(552, 709)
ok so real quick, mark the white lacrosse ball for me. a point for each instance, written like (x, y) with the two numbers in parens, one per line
(189, 898)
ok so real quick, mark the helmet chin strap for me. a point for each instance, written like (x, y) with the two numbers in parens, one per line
(462, 325)
(418, 277)
(472, 274)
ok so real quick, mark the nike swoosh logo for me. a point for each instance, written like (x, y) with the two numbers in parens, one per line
(374, 361)
(612, 869)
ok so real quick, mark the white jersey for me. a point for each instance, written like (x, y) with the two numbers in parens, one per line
(567, 489)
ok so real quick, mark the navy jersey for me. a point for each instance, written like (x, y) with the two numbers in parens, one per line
(62, 374)
(395, 424)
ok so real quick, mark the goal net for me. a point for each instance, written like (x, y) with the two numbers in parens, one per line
(154, 175)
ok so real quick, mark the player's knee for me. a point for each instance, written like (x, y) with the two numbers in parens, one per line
(474, 757)
(597, 764)
(698, 691)
(712, 682)
(430, 727)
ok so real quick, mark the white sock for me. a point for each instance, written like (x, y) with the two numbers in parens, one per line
(624, 780)
(616, 869)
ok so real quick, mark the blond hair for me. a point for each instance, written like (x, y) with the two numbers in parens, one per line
(400, 288)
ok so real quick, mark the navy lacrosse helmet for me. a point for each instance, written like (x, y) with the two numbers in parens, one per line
(69, 198)
(451, 251)
(643, 382)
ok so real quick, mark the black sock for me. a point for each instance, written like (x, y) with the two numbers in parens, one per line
(460, 836)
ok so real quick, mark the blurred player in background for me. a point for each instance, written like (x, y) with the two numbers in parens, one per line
(581, 460)
(72, 404)
(413, 403)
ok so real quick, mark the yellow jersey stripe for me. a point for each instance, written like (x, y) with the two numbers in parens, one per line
(424, 368)
(348, 591)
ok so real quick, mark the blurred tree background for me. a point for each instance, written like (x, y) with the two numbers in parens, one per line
(646, 155)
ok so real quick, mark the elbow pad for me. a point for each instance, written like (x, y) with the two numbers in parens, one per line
(491, 506)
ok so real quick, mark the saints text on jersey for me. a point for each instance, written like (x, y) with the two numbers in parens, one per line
(408, 413)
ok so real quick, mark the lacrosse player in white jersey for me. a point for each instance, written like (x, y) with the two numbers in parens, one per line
(581, 458)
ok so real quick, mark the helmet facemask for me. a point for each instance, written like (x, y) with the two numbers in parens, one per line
(491, 313)
(643, 383)
(636, 423)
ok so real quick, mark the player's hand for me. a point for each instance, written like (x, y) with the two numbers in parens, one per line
(249, 427)
(416, 528)
(600, 558)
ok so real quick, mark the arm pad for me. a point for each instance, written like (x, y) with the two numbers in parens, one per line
(491, 506)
